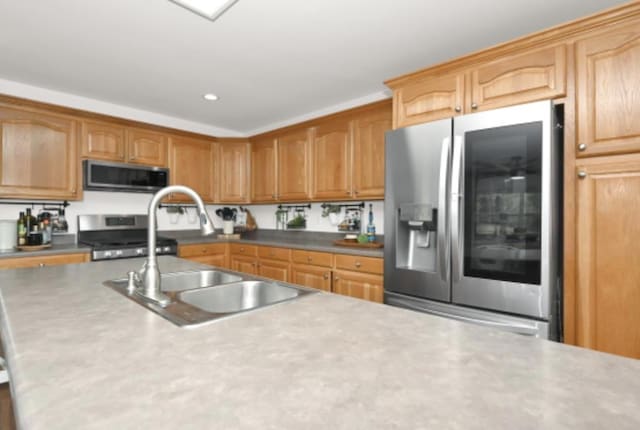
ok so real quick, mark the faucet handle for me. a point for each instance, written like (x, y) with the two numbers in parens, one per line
(134, 279)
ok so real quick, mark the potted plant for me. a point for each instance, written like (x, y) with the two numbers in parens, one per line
(331, 211)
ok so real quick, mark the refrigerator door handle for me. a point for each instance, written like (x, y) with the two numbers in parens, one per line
(456, 198)
(443, 212)
(527, 330)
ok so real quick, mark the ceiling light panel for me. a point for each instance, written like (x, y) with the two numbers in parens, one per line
(210, 9)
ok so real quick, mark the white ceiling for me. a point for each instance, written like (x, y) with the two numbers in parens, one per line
(269, 61)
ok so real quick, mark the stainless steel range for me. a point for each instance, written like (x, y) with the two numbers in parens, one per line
(120, 236)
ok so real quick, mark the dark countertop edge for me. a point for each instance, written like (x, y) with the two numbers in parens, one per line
(377, 253)
(54, 250)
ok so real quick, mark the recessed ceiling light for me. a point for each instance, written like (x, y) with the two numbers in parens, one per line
(210, 97)
(210, 9)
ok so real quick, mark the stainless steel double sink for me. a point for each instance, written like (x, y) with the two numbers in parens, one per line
(202, 296)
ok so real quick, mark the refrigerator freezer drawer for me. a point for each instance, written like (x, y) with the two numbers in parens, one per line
(523, 326)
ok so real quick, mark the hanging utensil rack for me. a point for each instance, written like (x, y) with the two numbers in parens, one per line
(49, 206)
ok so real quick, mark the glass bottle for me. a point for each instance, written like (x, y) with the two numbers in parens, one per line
(371, 227)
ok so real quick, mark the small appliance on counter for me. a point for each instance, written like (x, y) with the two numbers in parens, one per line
(120, 236)
(8, 237)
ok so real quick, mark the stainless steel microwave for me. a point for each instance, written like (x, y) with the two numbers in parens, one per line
(110, 176)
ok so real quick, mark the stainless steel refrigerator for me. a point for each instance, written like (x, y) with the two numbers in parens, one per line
(472, 207)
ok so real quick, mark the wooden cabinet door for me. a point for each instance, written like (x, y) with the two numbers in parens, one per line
(358, 285)
(233, 165)
(311, 276)
(368, 153)
(332, 161)
(43, 260)
(293, 166)
(608, 255)
(192, 163)
(244, 264)
(264, 171)
(429, 99)
(146, 147)
(526, 77)
(273, 269)
(608, 92)
(38, 155)
(103, 141)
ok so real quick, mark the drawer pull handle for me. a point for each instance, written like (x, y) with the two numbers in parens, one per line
(309, 259)
(40, 264)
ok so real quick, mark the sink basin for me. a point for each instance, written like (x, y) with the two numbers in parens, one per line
(180, 281)
(201, 296)
(237, 297)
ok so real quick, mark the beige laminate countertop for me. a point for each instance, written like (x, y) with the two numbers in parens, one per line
(81, 356)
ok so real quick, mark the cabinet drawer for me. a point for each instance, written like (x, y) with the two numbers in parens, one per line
(45, 260)
(359, 264)
(312, 257)
(201, 249)
(282, 254)
(241, 249)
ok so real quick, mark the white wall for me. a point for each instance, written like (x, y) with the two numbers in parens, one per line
(96, 202)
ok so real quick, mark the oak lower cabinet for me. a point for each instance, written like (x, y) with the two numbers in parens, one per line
(312, 269)
(244, 264)
(274, 263)
(213, 254)
(359, 285)
(192, 162)
(43, 260)
(608, 255)
(608, 91)
(38, 155)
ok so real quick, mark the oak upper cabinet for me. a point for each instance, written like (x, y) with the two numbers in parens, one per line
(146, 147)
(38, 155)
(293, 160)
(103, 141)
(233, 168)
(332, 161)
(192, 163)
(427, 99)
(368, 152)
(264, 170)
(608, 91)
(607, 254)
(520, 78)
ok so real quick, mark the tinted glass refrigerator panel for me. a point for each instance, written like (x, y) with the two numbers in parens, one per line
(502, 190)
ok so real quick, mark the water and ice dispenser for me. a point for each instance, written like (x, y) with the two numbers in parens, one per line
(416, 230)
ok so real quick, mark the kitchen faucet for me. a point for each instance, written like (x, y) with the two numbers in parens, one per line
(149, 275)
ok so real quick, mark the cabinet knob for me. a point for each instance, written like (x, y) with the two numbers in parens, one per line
(336, 278)
(73, 191)
(326, 276)
(241, 249)
(458, 109)
(348, 193)
(41, 265)
(358, 264)
(133, 158)
(273, 196)
(582, 174)
(474, 105)
(355, 192)
(309, 259)
(582, 147)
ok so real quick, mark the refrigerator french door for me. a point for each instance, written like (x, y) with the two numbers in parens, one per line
(471, 208)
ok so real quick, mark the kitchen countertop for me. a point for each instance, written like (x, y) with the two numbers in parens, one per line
(81, 355)
(311, 241)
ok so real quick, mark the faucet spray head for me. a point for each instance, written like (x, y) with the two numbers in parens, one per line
(206, 226)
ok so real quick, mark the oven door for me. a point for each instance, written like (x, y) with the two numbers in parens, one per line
(503, 210)
(107, 176)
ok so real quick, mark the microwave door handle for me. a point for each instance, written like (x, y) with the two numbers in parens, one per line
(443, 212)
(456, 207)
